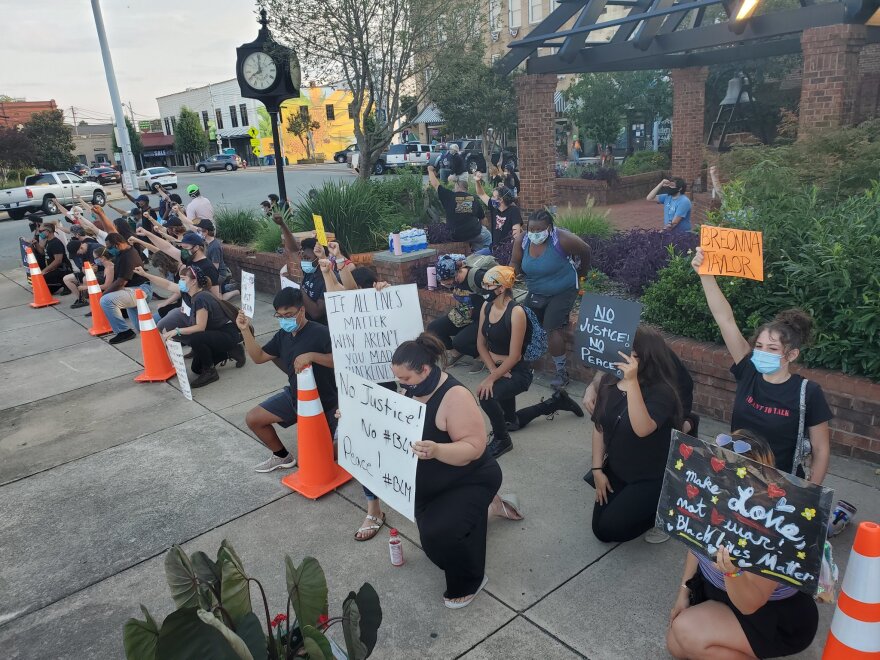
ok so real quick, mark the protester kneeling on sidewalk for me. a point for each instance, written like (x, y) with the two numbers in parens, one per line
(298, 344)
(119, 295)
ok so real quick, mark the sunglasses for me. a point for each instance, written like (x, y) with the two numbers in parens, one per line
(739, 446)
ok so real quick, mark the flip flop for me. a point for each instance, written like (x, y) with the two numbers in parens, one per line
(452, 605)
(374, 529)
(511, 507)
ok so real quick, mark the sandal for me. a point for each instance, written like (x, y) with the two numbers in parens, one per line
(372, 529)
(510, 507)
(457, 605)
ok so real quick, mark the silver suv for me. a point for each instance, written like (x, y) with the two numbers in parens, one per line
(226, 162)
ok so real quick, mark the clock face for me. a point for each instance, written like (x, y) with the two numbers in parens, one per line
(259, 71)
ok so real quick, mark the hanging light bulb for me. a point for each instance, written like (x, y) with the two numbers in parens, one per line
(746, 9)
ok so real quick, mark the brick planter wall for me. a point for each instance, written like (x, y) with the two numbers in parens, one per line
(855, 402)
(627, 189)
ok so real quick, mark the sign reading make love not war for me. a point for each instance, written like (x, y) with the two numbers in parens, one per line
(732, 252)
(367, 326)
(774, 524)
(376, 427)
(605, 326)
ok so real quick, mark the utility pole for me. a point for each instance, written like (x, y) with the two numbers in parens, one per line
(75, 126)
(128, 164)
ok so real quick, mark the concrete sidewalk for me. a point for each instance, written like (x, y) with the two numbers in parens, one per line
(99, 475)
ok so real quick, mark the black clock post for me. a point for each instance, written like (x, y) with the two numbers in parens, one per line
(269, 73)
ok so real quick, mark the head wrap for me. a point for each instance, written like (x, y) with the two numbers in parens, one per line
(502, 275)
(447, 264)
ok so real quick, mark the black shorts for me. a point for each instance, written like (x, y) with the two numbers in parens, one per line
(779, 628)
(555, 310)
(283, 405)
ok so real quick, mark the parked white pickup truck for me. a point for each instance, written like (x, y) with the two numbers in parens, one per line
(40, 192)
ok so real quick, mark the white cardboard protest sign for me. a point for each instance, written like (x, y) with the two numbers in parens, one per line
(247, 294)
(175, 352)
(286, 283)
(367, 326)
(376, 427)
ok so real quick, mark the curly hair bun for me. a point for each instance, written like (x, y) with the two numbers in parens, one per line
(800, 323)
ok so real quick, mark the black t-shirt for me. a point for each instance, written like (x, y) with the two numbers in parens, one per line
(217, 319)
(630, 457)
(504, 221)
(53, 247)
(313, 286)
(773, 410)
(311, 338)
(456, 163)
(207, 267)
(463, 213)
(511, 181)
(124, 265)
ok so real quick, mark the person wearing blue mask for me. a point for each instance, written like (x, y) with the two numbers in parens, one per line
(297, 344)
(676, 205)
(119, 295)
(784, 407)
(312, 280)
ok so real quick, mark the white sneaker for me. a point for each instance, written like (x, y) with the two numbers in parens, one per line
(275, 463)
(656, 535)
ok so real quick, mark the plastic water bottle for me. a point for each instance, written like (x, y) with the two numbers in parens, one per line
(395, 547)
(422, 239)
(410, 241)
(405, 241)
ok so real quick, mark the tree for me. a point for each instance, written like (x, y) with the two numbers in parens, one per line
(474, 99)
(189, 136)
(137, 145)
(265, 126)
(51, 138)
(16, 150)
(379, 51)
(409, 107)
(301, 125)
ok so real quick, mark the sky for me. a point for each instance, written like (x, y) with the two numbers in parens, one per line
(50, 50)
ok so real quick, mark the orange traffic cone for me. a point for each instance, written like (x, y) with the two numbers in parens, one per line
(157, 365)
(855, 628)
(100, 324)
(42, 297)
(318, 473)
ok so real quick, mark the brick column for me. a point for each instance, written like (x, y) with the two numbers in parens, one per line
(688, 106)
(536, 134)
(869, 84)
(830, 86)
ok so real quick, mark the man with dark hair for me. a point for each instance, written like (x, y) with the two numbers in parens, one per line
(676, 205)
(298, 344)
(80, 250)
(120, 293)
(57, 263)
(312, 280)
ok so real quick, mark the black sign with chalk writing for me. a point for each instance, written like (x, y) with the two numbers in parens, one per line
(605, 326)
(774, 524)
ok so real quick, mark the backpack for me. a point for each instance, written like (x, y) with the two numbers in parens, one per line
(554, 241)
(475, 262)
(535, 340)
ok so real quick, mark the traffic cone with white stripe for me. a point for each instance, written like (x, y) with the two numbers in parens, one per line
(855, 628)
(318, 472)
(100, 324)
(42, 297)
(157, 364)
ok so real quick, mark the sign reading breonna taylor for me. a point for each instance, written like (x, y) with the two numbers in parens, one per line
(376, 429)
(367, 326)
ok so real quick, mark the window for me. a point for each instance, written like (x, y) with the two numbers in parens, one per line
(351, 114)
(82, 159)
(304, 112)
(331, 112)
(514, 13)
(205, 119)
(219, 116)
(233, 115)
(244, 114)
(63, 178)
(494, 15)
(536, 11)
(167, 127)
(173, 124)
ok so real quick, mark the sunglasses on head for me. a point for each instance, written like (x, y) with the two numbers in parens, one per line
(739, 446)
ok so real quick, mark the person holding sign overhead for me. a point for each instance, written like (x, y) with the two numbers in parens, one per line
(724, 612)
(782, 406)
(633, 422)
(457, 478)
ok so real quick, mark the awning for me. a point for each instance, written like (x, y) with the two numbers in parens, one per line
(238, 132)
(559, 102)
(430, 115)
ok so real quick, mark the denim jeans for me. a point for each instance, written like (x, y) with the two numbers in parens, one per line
(484, 240)
(114, 303)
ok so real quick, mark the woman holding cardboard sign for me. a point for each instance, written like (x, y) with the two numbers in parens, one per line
(723, 612)
(457, 478)
(782, 406)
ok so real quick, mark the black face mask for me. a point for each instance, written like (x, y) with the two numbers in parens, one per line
(668, 191)
(490, 295)
(426, 386)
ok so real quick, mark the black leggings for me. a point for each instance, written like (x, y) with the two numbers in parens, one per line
(629, 512)
(501, 407)
(463, 340)
(211, 346)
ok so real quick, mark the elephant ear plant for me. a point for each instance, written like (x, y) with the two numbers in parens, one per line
(214, 619)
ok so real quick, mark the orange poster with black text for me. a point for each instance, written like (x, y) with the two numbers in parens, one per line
(732, 252)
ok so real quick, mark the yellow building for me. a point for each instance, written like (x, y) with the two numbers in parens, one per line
(330, 107)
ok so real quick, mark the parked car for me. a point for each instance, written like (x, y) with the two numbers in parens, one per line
(151, 177)
(472, 152)
(104, 175)
(408, 154)
(228, 162)
(379, 166)
(42, 191)
(342, 156)
(80, 169)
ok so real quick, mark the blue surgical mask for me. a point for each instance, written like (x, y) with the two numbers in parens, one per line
(113, 251)
(308, 267)
(43, 235)
(766, 363)
(288, 325)
(538, 237)
(181, 284)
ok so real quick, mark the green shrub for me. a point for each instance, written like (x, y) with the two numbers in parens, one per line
(645, 161)
(403, 199)
(238, 226)
(268, 238)
(585, 221)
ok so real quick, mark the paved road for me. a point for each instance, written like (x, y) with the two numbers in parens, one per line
(245, 188)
